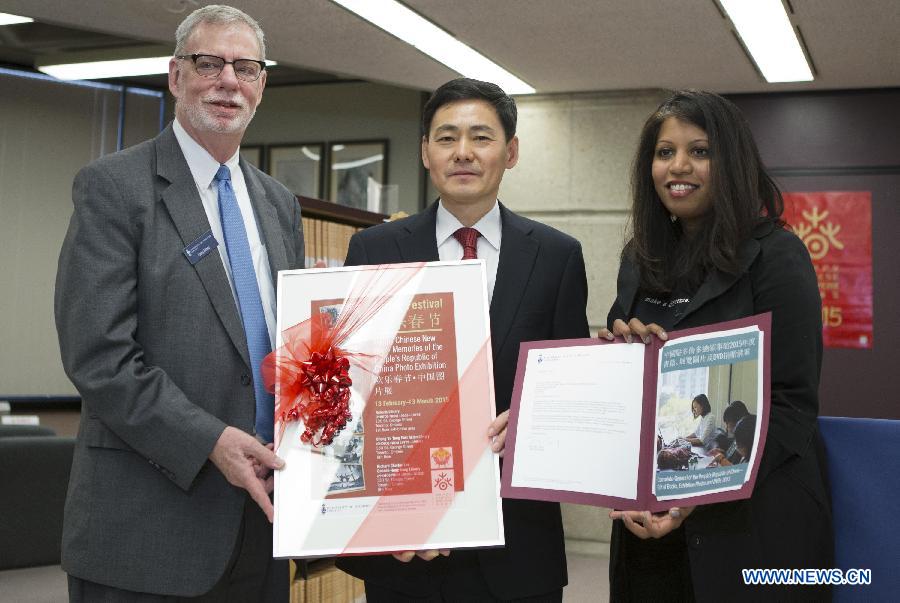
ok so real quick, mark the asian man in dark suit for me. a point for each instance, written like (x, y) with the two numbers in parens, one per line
(164, 309)
(538, 290)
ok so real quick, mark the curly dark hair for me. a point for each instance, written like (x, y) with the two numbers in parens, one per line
(742, 191)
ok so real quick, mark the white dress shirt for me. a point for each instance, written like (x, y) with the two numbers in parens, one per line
(491, 231)
(706, 429)
(203, 168)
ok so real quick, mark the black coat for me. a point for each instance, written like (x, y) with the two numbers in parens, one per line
(787, 521)
(540, 293)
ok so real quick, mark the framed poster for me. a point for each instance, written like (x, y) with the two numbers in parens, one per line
(384, 392)
(298, 167)
(354, 169)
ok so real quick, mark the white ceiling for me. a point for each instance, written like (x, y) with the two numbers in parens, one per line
(556, 46)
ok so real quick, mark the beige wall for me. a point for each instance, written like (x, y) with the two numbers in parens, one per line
(720, 378)
(48, 131)
(575, 157)
(730, 382)
(744, 384)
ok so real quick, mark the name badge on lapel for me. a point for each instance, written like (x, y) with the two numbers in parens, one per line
(200, 247)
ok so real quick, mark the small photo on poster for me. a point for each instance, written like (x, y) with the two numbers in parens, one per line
(332, 310)
(345, 462)
(348, 477)
(349, 451)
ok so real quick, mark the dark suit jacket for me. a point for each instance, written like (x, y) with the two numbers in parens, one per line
(157, 351)
(787, 521)
(540, 293)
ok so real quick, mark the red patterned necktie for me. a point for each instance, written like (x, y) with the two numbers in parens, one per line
(468, 238)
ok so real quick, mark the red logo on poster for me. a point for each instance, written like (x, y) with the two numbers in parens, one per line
(837, 230)
(441, 457)
(443, 481)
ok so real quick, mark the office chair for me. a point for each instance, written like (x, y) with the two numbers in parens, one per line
(862, 459)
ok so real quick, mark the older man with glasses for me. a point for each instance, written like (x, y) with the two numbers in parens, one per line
(165, 308)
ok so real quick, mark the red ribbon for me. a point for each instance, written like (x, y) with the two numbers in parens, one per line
(312, 369)
(327, 378)
(314, 380)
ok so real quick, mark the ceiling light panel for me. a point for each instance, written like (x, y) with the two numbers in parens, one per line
(7, 19)
(98, 70)
(766, 31)
(424, 35)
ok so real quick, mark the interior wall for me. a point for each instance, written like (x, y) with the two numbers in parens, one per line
(830, 141)
(48, 131)
(719, 390)
(744, 384)
(348, 112)
(575, 154)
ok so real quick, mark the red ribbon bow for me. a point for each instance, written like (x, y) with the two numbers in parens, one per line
(327, 378)
(312, 369)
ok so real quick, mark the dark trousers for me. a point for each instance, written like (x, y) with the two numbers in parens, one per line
(462, 582)
(251, 574)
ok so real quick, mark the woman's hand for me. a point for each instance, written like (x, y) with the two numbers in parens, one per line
(633, 328)
(645, 524)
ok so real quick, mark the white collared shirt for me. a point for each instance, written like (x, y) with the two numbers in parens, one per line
(491, 231)
(203, 168)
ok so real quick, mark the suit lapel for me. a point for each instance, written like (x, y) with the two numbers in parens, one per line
(186, 210)
(267, 216)
(419, 242)
(518, 251)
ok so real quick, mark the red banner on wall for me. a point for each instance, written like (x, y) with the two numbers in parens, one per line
(837, 230)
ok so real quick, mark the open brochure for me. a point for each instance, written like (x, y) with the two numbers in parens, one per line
(616, 424)
(384, 392)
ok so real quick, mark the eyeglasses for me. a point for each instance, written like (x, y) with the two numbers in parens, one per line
(209, 65)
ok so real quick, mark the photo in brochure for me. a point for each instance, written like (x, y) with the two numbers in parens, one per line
(691, 374)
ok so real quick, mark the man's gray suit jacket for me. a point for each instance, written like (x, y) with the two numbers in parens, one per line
(156, 348)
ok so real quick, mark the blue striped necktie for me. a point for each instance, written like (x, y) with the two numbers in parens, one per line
(244, 277)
